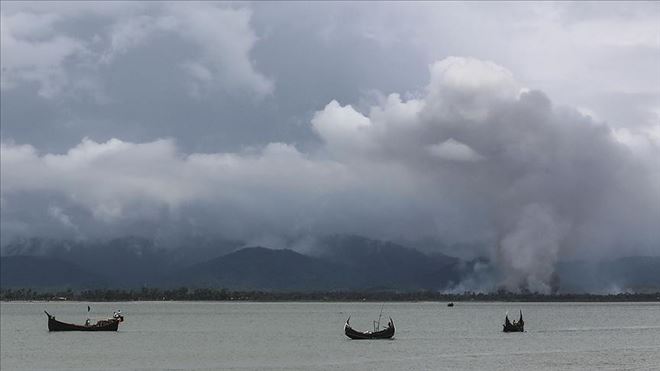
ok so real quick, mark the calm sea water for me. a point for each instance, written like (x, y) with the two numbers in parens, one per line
(309, 336)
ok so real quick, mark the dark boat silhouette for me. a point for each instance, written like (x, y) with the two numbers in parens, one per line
(516, 326)
(386, 333)
(450, 304)
(110, 324)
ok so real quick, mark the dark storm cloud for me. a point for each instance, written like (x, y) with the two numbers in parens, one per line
(136, 72)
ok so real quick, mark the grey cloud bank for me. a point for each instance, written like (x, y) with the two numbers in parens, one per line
(475, 159)
(142, 71)
(268, 123)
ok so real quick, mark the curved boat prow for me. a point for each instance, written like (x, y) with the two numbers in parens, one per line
(515, 326)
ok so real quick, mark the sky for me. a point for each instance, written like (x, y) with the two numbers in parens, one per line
(525, 132)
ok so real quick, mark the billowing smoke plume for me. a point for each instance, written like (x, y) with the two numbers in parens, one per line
(528, 252)
(475, 159)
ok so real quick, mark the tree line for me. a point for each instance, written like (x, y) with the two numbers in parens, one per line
(221, 294)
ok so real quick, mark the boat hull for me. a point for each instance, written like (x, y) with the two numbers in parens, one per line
(387, 333)
(513, 328)
(108, 325)
(111, 324)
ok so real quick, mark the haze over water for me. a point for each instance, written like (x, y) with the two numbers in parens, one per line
(309, 336)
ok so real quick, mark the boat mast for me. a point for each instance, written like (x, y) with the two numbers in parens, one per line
(379, 316)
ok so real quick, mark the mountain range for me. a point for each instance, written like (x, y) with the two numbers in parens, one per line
(339, 262)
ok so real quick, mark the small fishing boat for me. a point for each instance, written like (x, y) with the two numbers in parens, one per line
(386, 333)
(515, 326)
(110, 324)
(450, 304)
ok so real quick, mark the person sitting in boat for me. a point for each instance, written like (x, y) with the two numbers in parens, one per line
(118, 316)
(87, 323)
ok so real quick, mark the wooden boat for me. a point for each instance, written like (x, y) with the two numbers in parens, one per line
(387, 333)
(110, 324)
(516, 326)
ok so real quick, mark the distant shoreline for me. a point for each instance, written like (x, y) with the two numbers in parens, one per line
(4, 301)
(185, 294)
